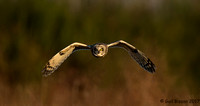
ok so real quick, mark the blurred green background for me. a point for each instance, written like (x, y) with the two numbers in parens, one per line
(32, 31)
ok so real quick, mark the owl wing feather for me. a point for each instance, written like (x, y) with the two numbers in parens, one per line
(61, 56)
(136, 54)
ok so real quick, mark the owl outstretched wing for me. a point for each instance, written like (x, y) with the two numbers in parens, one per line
(136, 54)
(61, 56)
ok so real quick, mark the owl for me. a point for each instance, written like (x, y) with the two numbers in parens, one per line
(98, 50)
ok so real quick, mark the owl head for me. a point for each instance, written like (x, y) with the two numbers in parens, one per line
(99, 50)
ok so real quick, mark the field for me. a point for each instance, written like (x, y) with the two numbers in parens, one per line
(32, 31)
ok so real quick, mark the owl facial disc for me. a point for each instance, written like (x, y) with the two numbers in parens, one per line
(99, 50)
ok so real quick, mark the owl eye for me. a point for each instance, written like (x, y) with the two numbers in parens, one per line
(101, 49)
(95, 49)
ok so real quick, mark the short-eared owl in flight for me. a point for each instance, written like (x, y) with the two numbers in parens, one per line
(98, 50)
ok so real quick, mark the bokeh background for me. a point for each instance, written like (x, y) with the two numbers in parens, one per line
(32, 31)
